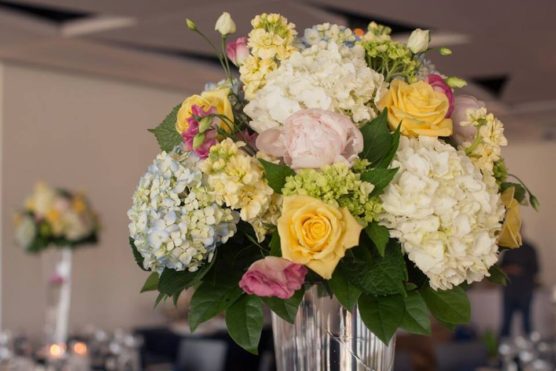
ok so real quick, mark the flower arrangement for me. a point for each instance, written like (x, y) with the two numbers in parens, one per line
(335, 157)
(57, 217)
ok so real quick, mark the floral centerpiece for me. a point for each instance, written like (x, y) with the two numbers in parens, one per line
(55, 217)
(333, 157)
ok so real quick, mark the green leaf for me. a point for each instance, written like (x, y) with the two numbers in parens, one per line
(382, 315)
(244, 320)
(416, 317)
(286, 309)
(276, 175)
(172, 282)
(380, 178)
(379, 235)
(159, 299)
(166, 134)
(376, 275)
(377, 140)
(346, 293)
(519, 190)
(497, 275)
(137, 255)
(151, 283)
(449, 306)
(209, 299)
(275, 247)
(387, 160)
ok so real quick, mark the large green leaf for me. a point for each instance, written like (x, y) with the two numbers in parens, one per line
(209, 299)
(376, 275)
(136, 254)
(275, 247)
(416, 317)
(346, 292)
(380, 178)
(379, 235)
(387, 159)
(449, 306)
(382, 315)
(377, 140)
(151, 283)
(286, 309)
(276, 174)
(497, 275)
(166, 134)
(244, 320)
(172, 282)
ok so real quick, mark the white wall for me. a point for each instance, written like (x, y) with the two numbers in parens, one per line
(83, 133)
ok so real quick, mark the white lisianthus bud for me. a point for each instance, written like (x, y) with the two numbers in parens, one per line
(190, 24)
(445, 52)
(418, 41)
(225, 24)
(455, 82)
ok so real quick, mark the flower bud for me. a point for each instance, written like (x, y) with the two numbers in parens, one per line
(225, 24)
(205, 123)
(445, 51)
(190, 24)
(455, 82)
(198, 140)
(418, 41)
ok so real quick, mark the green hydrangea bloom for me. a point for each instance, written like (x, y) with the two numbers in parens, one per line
(337, 185)
(390, 58)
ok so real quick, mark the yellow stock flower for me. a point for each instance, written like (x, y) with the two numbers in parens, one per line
(315, 233)
(418, 108)
(510, 235)
(217, 98)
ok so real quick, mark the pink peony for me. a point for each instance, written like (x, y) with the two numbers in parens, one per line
(464, 103)
(192, 131)
(273, 276)
(313, 138)
(237, 50)
(437, 82)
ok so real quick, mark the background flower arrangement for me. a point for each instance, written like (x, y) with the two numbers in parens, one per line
(55, 217)
(336, 157)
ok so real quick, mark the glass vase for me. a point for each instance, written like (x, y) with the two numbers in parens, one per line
(327, 337)
(58, 297)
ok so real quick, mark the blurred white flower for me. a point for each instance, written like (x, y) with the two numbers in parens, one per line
(418, 41)
(225, 24)
(25, 231)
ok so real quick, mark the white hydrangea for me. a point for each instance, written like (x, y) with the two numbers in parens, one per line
(174, 222)
(325, 32)
(25, 231)
(445, 213)
(326, 76)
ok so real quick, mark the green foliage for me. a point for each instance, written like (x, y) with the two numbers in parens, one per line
(387, 159)
(275, 247)
(286, 309)
(166, 134)
(244, 320)
(346, 292)
(172, 282)
(416, 317)
(377, 140)
(151, 284)
(136, 254)
(374, 274)
(448, 306)
(379, 235)
(382, 315)
(211, 298)
(380, 178)
(519, 190)
(497, 275)
(276, 174)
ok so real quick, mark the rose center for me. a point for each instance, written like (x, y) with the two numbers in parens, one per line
(315, 229)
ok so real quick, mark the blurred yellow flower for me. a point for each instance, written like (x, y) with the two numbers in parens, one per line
(315, 233)
(418, 108)
(510, 235)
(217, 99)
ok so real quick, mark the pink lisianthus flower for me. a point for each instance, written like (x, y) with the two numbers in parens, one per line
(237, 50)
(313, 138)
(463, 105)
(210, 136)
(273, 277)
(437, 82)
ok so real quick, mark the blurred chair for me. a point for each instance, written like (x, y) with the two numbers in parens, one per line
(201, 355)
(464, 356)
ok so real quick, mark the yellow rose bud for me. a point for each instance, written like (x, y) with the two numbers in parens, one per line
(315, 233)
(510, 235)
(217, 98)
(418, 108)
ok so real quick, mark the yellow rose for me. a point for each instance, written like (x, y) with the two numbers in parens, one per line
(418, 108)
(315, 233)
(217, 98)
(510, 235)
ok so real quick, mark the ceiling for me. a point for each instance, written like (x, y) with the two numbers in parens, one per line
(507, 49)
